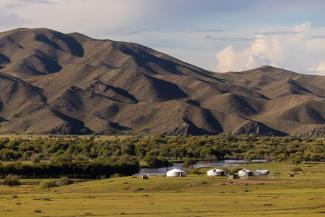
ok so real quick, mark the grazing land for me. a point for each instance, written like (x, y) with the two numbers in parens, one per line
(195, 195)
(82, 176)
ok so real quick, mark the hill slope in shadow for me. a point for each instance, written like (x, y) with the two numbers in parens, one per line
(58, 83)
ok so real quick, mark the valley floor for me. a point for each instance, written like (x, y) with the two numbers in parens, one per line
(193, 196)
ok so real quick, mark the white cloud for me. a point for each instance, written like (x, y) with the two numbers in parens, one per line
(151, 23)
(297, 51)
(186, 29)
(77, 15)
(22, 3)
(320, 68)
(98, 17)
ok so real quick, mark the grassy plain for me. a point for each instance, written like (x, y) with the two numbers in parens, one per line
(193, 196)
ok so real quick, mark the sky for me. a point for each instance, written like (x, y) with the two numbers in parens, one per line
(218, 35)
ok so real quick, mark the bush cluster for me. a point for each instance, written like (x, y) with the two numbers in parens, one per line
(56, 183)
(11, 180)
(89, 170)
(93, 157)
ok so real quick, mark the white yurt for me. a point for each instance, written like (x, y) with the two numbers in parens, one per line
(216, 172)
(262, 172)
(176, 173)
(245, 172)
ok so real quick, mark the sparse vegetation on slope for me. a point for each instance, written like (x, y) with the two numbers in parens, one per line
(55, 83)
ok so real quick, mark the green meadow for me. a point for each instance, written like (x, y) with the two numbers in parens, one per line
(192, 196)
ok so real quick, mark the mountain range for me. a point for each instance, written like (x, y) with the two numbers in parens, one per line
(55, 83)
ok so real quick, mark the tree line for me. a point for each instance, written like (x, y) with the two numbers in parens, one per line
(64, 156)
(97, 169)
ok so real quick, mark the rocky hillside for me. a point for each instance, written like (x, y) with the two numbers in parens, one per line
(58, 83)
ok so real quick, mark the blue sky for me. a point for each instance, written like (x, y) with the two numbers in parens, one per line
(223, 35)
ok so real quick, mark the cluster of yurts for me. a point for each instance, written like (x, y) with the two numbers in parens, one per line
(220, 172)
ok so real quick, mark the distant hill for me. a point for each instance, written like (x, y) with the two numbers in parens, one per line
(58, 83)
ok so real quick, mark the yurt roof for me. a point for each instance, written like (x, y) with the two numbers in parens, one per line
(217, 170)
(246, 170)
(176, 171)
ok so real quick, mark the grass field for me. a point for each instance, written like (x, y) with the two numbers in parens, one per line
(193, 196)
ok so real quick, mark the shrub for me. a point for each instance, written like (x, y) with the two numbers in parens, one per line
(196, 171)
(26, 155)
(296, 169)
(116, 175)
(233, 170)
(95, 169)
(9, 155)
(296, 158)
(56, 183)
(48, 184)
(155, 162)
(35, 159)
(64, 181)
(11, 180)
(188, 163)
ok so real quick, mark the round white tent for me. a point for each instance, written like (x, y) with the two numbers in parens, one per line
(262, 172)
(216, 172)
(245, 172)
(176, 173)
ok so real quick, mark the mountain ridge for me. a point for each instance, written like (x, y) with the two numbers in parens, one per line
(56, 83)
